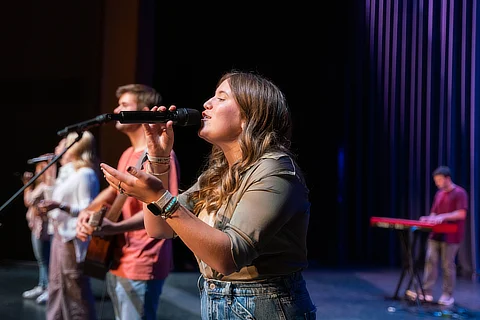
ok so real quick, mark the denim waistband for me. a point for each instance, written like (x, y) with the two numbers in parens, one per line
(255, 287)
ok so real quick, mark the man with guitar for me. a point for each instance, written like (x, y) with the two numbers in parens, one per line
(120, 249)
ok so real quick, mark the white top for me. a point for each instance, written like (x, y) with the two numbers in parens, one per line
(76, 189)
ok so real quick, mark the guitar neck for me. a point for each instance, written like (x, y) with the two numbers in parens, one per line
(116, 209)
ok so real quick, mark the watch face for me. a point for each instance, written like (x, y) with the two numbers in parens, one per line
(154, 208)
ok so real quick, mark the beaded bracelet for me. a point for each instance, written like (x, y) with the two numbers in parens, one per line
(161, 160)
(171, 207)
(150, 171)
(170, 204)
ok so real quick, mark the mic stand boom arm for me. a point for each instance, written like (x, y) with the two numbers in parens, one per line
(35, 177)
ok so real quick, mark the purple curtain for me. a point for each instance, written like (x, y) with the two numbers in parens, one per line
(411, 91)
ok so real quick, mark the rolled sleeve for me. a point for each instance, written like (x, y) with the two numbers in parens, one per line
(259, 216)
(242, 247)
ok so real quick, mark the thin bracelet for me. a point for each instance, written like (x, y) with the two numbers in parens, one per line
(158, 163)
(161, 160)
(158, 174)
(150, 171)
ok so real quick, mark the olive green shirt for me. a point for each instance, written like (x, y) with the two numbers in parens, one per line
(266, 221)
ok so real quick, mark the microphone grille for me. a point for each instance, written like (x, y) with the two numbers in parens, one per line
(188, 117)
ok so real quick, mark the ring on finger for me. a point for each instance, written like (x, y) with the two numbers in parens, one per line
(120, 189)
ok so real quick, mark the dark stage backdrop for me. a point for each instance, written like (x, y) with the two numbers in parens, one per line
(70, 57)
(51, 77)
(381, 93)
(292, 46)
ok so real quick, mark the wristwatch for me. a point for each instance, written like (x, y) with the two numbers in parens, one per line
(155, 208)
(165, 206)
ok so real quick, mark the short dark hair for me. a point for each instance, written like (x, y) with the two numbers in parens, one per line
(442, 170)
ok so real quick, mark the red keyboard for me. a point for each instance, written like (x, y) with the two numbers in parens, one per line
(401, 224)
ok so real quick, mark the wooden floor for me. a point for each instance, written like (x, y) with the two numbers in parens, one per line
(338, 294)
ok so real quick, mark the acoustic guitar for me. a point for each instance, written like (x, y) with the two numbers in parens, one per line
(100, 252)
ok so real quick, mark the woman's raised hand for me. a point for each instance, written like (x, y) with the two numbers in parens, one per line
(160, 135)
(135, 183)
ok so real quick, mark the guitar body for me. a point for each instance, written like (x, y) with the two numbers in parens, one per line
(100, 255)
(99, 258)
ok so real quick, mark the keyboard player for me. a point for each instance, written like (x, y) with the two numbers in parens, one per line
(450, 205)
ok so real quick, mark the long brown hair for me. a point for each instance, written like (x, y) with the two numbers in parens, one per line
(268, 126)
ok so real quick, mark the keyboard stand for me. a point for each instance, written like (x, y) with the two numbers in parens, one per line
(409, 230)
(408, 241)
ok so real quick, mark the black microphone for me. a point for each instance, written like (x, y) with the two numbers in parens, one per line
(85, 125)
(180, 117)
(40, 159)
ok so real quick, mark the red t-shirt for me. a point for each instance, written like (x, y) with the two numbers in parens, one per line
(449, 201)
(141, 257)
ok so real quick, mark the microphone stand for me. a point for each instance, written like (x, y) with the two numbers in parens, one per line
(35, 177)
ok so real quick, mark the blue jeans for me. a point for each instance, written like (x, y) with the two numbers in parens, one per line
(134, 299)
(278, 298)
(41, 250)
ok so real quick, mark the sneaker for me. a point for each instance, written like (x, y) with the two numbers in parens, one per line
(33, 293)
(446, 299)
(43, 298)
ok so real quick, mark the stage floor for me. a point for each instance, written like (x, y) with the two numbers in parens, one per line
(352, 294)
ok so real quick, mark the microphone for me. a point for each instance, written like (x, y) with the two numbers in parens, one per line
(180, 117)
(40, 159)
(85, 125)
